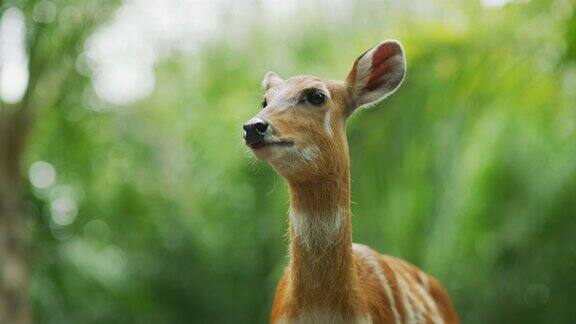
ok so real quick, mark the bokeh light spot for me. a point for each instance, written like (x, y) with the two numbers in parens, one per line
(42, 174)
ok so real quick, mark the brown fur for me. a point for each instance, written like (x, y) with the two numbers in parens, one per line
(343, 282)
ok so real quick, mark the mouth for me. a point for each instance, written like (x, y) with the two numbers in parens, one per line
(259, 145)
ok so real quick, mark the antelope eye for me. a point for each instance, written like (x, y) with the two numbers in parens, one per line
(315, 97)
(264, 103)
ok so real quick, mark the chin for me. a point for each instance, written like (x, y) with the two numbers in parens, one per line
(288, 160)
(268, 153)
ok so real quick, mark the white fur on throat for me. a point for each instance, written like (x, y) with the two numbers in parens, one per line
(315, 231)
(294, 159)
(309, 153)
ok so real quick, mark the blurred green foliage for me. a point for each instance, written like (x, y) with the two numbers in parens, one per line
(469, 172)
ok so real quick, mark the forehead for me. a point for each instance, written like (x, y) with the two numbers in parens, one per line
(294, 85)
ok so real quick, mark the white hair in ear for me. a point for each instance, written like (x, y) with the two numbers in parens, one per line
(271, 80)
(377, 73)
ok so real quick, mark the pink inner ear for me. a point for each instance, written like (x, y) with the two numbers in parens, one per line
(380, 65)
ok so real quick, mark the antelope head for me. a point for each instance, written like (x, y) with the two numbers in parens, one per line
(300, 129)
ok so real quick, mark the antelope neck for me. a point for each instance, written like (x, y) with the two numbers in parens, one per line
(321, 262)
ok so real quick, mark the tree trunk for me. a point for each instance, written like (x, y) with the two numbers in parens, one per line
(14, 300)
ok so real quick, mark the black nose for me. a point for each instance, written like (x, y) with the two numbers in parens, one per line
(254, 131)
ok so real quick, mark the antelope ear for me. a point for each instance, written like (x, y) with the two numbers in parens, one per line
(376, 74)
(271, 80)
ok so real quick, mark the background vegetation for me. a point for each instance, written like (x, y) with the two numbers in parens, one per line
(148, 209)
